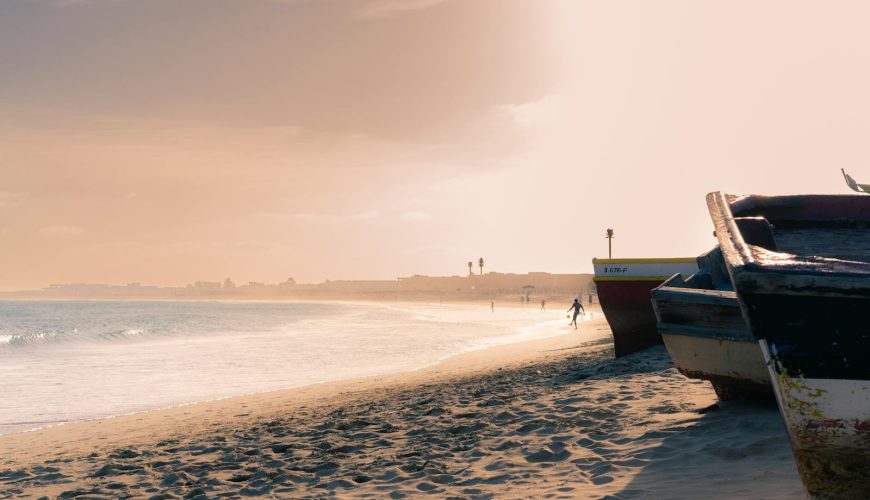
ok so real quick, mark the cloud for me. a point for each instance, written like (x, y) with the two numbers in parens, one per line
(369, 9)
(533, 113)
(324, 218)
(60, 231)
(75, 3)
(8, 199)
(386, 8)
(415, 216)
(368, 215)
(221, 246)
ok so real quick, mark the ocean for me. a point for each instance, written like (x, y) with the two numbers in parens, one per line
(65, 361)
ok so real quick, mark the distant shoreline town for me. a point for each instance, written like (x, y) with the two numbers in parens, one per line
(534, 286)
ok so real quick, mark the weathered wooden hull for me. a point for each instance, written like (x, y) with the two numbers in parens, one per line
(828, 421)
(805, 296)
(729, 359)
(735, 368)
(707, 338)
(817, 352)
(624, 287)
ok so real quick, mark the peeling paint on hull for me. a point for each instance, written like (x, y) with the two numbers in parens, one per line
(828, 422)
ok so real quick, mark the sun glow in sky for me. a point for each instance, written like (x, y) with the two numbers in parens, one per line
(164, 141)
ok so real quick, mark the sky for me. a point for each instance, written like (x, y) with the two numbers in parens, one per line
(165, 141)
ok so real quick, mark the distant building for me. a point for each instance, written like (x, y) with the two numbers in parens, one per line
(206, 285)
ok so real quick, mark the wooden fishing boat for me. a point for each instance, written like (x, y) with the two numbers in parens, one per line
(801, 268)
(854, 186)
(703, 329)
(624, 287)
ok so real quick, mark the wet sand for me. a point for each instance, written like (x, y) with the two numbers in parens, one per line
(552, 418)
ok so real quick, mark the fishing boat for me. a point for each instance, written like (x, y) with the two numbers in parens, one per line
(801, 268)
(853, 185)
(705, 334)
(624, 287)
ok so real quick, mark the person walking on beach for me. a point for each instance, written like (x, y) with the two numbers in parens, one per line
(543, 304)
(577, 307)
(492, 305)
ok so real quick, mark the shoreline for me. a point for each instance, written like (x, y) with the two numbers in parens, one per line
(465, 363)
(539, 330)
(555, 417)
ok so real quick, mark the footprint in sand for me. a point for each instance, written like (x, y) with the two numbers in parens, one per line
(546, 455)
(499, 465)
(505, 416)
(507, 445)
(538, 426)
(339, 484)
(13, 476)
(117, 470)
(427, 487)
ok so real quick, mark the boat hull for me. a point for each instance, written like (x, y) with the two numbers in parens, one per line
(626, 305)
(801, 268)
(624, 287)
(818, 355)
(707, 338)
(828, 422)
(735, 368)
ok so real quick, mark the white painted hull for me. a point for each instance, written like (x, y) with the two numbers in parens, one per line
(735, 368)
(828, 422)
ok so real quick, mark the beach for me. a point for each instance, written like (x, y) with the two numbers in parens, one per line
(548, 418)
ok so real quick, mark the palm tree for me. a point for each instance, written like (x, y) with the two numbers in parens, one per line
(480, 263)
(470, 267)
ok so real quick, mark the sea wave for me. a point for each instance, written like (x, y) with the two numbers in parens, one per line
(29, 338)
(124, 334)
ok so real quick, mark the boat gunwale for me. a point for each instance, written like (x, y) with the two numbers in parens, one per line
(700, 295)
(671, 289)
(780, 272)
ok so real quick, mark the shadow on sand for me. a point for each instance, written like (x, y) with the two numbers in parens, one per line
(736, 449)
(655, 435)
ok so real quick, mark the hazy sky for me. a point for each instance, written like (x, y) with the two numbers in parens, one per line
(166, 141)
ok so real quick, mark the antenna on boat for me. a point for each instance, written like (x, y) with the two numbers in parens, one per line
(609, 243)
(861, 188)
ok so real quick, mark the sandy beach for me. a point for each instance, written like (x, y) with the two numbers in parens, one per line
(551, 418)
